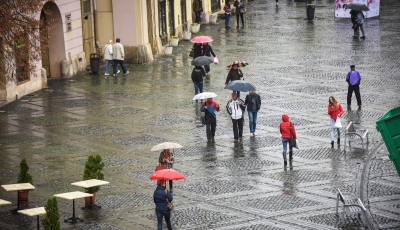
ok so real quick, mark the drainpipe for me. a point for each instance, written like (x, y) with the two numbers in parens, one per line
(96, 35)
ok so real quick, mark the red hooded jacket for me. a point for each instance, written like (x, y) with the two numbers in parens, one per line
(335, 111)
(285, 127)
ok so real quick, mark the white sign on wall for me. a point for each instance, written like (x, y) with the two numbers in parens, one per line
(342, 12)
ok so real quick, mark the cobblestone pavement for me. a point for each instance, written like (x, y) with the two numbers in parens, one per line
(296, 65)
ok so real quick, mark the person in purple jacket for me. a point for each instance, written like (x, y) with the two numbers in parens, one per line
(354, 79)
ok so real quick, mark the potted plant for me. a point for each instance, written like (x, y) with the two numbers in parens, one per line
(24, 177)
(174, 41)
(213, 19)
(168, 50)
(195, 28)
(187, 35)
(93, 168)
(51, 221)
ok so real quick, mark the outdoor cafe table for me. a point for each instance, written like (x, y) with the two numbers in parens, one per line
(89, 184)
(3, 202)
(72, 196)
(17, 187)
(34, 212)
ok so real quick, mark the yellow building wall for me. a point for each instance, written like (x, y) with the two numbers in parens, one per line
(105, 24)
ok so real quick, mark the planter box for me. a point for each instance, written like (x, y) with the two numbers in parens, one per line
(187, 36)
(195, 29)
(174, 42)
(168, 50)
(87, 199)
(213, 19)
(23, 195)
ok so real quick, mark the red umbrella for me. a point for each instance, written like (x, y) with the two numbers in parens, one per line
(167, 174)
(201, 39)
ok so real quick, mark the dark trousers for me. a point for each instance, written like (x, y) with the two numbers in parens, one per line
(237, 126)
(197, 13)
(170, 186)
(210, 130)
(237, 19)
(167, 217)
(356, 89)
(121, 63)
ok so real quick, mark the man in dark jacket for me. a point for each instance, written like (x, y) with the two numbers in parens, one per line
(234, 74)
(207, 51)
(197, 77)
(354, 79)
(197, 50)
(353, 17)
(253, 103)
(160, 200)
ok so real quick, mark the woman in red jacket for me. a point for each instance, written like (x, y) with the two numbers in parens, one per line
(285, 131)
(334, 110)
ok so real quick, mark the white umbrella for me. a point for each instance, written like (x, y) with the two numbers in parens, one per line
(166, 145)
(204, 95)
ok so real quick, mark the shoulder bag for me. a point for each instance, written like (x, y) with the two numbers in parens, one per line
(242, 10)
(292, 142)
(170, 205)
(191, 54)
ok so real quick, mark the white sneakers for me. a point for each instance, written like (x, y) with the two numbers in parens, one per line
(276, 3)
(126, 73)
(106, 74)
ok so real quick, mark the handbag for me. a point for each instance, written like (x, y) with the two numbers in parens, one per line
(170, 205)
(242, 10)
(338, 123)
(159, 167)
(292, 141)
(216, 60)
(191, 54)
(203, 118)
(201, 17)
(297, 144)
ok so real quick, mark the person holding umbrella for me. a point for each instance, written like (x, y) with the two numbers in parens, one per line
(234, 74)
(210, 107)
(360, 22)
(236, 108)
(160, 197)
(166, 159)
(207, 51)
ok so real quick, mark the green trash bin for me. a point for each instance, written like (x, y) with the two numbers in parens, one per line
(389, 127)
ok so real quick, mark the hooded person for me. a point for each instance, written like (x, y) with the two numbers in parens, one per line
(285, 131)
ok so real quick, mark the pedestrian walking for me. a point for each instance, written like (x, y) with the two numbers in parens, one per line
(353, 17)
(234, 74)
(210, 107)
(167, 160)
(277, 2)
(207, 51)
(236, 108)
(118, 57)
(287, 127)
(228, 11)
(196, 9)
(253, 103)
(354, 79)
(360, 22)
(160, 197)
(108, 56)
(197, 50)
(335, 110)
(239, 5)
(198, 74)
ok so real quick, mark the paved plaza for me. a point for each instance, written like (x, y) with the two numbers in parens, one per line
(294, 63)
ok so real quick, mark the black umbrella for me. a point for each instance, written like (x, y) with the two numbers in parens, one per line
(357, 6)
(202, 60)
(240, 85)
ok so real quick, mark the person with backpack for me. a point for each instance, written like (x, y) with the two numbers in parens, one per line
(160, 196)
(287, 130)
(198, 74)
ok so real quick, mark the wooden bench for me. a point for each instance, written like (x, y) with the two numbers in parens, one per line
(355, 132)
(351, 205)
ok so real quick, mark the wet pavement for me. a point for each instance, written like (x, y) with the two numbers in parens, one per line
(296, 65)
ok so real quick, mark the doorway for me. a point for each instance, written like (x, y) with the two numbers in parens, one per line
(171, 18)
(87, 31)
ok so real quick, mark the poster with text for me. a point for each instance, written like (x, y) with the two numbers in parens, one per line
(342, 12)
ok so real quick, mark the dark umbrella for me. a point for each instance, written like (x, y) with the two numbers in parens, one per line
(202, 60)
(240, 85)
(357, 6)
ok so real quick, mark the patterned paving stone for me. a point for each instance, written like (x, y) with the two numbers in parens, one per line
(49, 120)
(113, 161)
(276, 121)
(77, 103)
(242, 163)
(144, 174)
(377, 190)
(382, 167)
(326, 132)
(317, 90)
(258, 227)
(300, 105)
(93, 129)
(150, 96)
(216, 187)
(125, 201)
(201, 131)
(167, 121)
(357, 114)
(19, 139)
(139, 140)
(119, 111)
(59, 150)
(15, 108)
(319, 154)
(277, 203)
(302, 176)
(263, 141)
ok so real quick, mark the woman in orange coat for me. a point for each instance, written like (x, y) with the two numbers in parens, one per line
(285, 131)
(334, 110)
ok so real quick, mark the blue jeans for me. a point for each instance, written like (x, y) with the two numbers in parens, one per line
(207, 68)
(108, 61)
(252, 120)
(167, 217)
(285, 141)
(333, 121)
(227, 17)
(121, 63)
(198, 86)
